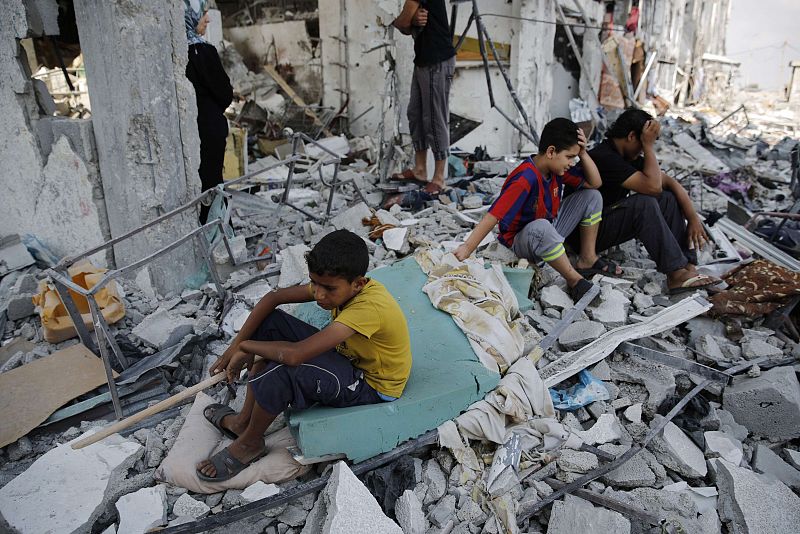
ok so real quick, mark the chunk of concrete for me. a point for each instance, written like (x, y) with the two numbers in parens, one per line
(613, 308)
(162, 329)
(768, 405)
(754, 504)
(580, 333)
(186, 506)
(574, 515)
(634, 473)
(677, 452)
(634, 413)
(553, 296)
(444, 510)
(142, 510)
(577, 461)
(409, 514)
(257, 491)
(435, 480)
(351, 507)
(13, 254)
(605, 430)
(73, 486)
(765, 461)
(793, 457)
(294, 269)
(705, 498)
(659, 380)
(726, 447)
(350, 219)
(758, 348)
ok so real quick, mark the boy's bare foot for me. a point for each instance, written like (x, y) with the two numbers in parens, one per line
(241, 449)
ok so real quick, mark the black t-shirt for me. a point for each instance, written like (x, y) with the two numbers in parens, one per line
(614, 169)
(433, 43)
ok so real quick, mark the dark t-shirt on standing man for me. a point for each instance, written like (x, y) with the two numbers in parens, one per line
(433, 43)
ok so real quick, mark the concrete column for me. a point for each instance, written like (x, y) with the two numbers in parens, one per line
(144, 115)
(532, 61)
(592, 51)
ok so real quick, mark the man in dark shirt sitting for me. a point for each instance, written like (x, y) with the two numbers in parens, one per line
(660, 215)
(428, 106)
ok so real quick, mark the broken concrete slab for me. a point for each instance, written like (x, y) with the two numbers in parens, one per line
(613, 308)
(726, 447)
(13, 254)
(793, 457)
(257, 491)
(572, 363)
(768, 405)
(443, 511)
(659, 380)
(575, 515)
(142, 510)
(705, 498)
(186, 506)
(350, 219)
(294, 269)
(72, 485)
(766, 462)
(634, 473)
(162, 329)
(758, 348)
(677, 452)
(554, 297)
(577, 461)
(605, 430)
(580, 333)
(409, 514)
(750, 503)
(350, 507)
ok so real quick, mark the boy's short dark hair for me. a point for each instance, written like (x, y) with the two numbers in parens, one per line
(631, 120)
(559, 133)
(340, 253)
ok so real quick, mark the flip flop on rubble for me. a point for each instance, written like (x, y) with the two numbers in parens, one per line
(215, 413)
(694, 283)
(601, 266)
(227, 466)
(577, 291)
(407, 176)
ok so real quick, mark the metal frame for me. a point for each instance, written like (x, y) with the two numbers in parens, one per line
(106, 344)
(483, 39)
(757, 245)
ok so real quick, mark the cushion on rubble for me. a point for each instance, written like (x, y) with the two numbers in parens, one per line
(198, 440)
(446, 376)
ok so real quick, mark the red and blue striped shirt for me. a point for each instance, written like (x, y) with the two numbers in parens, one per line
(528, 195)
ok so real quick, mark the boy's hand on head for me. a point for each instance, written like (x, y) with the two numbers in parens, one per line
(420, 17)
(650, 132)
(581, 142)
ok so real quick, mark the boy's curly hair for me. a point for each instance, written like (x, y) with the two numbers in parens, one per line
(340, 253)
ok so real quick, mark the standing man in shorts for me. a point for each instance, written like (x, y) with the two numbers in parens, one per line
(428, 105)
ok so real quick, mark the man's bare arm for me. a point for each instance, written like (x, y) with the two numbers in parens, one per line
(405, 19)
(648, 180)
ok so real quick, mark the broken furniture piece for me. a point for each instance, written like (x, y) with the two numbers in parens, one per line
(106, 344)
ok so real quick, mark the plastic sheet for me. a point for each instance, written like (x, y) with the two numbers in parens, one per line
(588, 390)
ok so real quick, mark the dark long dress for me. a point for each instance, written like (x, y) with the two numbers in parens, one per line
(214, 94)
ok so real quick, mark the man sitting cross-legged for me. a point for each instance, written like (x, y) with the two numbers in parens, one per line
(362, 357)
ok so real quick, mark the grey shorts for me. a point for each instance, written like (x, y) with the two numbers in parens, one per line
(429, 107)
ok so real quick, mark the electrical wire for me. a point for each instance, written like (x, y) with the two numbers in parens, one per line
(555, 23)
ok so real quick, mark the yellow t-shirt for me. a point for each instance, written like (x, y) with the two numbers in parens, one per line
(381, 346)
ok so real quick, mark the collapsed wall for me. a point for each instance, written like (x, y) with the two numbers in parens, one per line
(50, 176)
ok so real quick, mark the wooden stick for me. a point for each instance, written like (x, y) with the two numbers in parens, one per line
(296, 98)
(152, 410)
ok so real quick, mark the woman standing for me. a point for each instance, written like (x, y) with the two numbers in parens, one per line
(214, 95)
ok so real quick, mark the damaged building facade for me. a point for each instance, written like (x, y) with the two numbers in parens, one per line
(630, 409)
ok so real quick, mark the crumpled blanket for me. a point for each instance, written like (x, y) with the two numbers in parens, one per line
(481, 302)
(520, 396)
(756, 288)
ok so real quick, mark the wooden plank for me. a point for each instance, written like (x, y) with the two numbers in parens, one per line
(29, 394)
(295, 97)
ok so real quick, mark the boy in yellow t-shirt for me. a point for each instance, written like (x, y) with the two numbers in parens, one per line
(362, 357)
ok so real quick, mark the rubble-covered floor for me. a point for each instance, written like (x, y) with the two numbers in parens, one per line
(728, 463)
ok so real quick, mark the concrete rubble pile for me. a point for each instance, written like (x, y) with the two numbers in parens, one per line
(729, 462)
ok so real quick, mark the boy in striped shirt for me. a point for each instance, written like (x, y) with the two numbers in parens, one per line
(534, 219)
